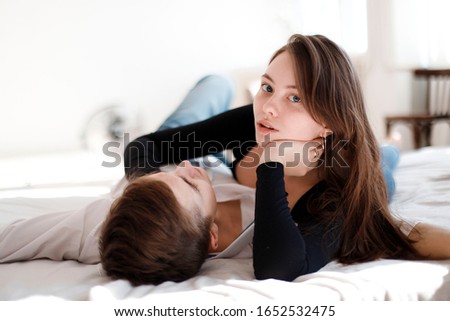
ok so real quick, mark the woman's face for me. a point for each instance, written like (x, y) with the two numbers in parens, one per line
(278, 108)
(192, 188)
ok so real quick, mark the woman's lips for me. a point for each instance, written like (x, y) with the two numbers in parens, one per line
(265, 127)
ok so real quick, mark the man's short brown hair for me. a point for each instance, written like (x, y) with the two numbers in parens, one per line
(148, 238)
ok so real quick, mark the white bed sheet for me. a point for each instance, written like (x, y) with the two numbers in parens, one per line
(423, 193)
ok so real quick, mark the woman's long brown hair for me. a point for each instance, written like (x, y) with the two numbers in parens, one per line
(356, 198)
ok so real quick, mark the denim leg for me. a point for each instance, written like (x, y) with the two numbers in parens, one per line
(211, 95)
(390, 156)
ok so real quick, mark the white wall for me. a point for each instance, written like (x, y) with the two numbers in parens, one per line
(60, 61)
(390, 88)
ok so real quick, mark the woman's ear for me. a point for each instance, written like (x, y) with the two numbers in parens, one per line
(326, 132)
(214, 238)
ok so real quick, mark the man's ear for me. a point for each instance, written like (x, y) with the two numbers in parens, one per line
(214, 238)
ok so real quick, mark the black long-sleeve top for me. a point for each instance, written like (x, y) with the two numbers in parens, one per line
(281, 247)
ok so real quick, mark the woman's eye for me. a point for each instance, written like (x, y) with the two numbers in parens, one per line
(294, 98)
(266, 88)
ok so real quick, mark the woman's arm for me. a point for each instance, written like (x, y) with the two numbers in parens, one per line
(278, 247)
(233, 129)
(431, 241)
(280, 250)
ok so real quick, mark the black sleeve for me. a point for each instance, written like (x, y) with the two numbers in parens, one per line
(233, 129)
(280, 250)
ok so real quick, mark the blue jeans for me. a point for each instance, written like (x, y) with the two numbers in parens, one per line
(213, 94)
(210, 96)
(390, 156)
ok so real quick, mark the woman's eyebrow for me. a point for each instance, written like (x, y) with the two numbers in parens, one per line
(270, 78)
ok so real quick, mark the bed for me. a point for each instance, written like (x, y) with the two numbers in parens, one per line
(423, 193)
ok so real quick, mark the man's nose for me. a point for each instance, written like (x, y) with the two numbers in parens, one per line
(185, 168)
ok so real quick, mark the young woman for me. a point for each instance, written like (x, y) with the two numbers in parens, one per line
(307, 146)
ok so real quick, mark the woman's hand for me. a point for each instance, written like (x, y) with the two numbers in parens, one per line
(298, 157)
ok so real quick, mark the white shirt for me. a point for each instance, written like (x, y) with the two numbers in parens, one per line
(74, 234)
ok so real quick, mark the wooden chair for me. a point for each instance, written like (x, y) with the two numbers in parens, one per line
(437, 107)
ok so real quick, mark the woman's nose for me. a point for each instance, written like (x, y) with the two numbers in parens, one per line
(270, 109)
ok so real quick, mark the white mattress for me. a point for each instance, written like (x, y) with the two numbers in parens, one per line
(423, 193)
